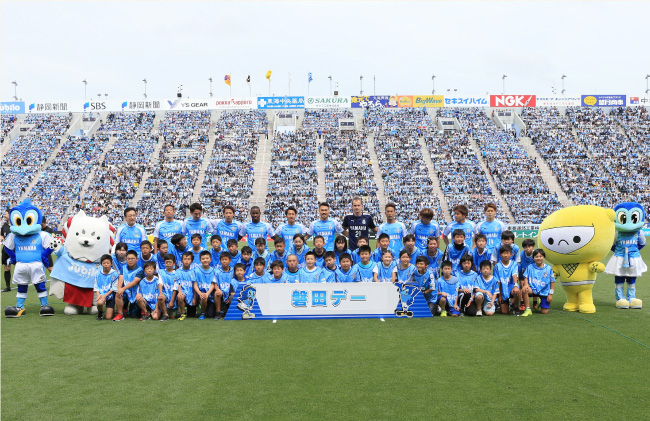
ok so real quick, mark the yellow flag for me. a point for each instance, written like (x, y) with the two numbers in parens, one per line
(226, 79)
(268, 75)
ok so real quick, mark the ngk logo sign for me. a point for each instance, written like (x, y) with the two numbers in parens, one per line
(512, 101)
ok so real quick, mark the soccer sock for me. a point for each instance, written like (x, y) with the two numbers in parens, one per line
(8, 278)
(21, 296)
(42, 293)
(620, 284)
(631, 288)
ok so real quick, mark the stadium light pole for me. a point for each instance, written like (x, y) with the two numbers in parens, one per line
(361, 82)
(145, 87)
(433, 84)
(563, 90)
(16, 85)
(106, 95)
(85, 86)
(210, 79)
(374, 85)
(646, 84)
(503, 78)
(330, 78)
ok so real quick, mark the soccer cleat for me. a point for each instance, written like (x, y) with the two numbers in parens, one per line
(47, 310)
(443, 313)
(118, 318)
(100, 316)
(522, 308)
(516, 312)
(145, 316)
(202, 316)
(6, 289)
(183, 316)
(479, 313)
(526, 313)
(636, 303)
(14, 312)
(622, 303)
(164, 318)
(219, 317)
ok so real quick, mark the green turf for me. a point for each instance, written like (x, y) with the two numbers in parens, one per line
(558, 366)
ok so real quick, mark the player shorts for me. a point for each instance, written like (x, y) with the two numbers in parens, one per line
(168, 300)
(449, 309)
(29, 273)
(507, 291)
(129, 295)
(487, 308)
(433, 308)
(110, 301)
(544, 300)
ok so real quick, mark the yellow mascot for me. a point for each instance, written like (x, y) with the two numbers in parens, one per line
(575, 240)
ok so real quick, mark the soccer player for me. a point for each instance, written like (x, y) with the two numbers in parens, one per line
(525, 259)
(225, 286)
(179, 247)
(280, 253)
(240, 273)
(409, 246)
(364, 271)
(119, 258)
(425, 277)
(247, 260)
(163, 249)
(539, 281)
(169, 283)
(325, 227)
(256, 228)
(447, 286)
(344, 272)
(383, 242)
(261, 251)
(197, 224)
(328, 272)
(150, 297)
(386, 268)
(167, 228)
(289, 229)
(216, 250)
(491, 227)
(310, 273)
(235, 255)
(204, 283)
(480, 251)
(129, 232)
(461, 223)
(227, 228)
(357, 225)
(466, 284)
(197, 249)
(146, 254)
(394, 229)
(127, 289)
(486, 290)
(186, 276)
(257, 276)
(424, 228)
(340, 247)
(106, 280)
(363, 241)
(277, 275)
(300, 249)
(506, 273)
(507, 239)
(434, 256)
(293, 270)
(405, 268)
(319, 250)
(458, 249)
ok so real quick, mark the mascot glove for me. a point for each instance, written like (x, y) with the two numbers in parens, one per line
(56, 245)
(597, 267)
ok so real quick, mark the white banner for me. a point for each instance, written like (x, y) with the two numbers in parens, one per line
(639, 101)
(558, 101)
(237, 103)
(52, 107)
(328, 102)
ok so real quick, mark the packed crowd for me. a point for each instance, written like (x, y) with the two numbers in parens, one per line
(406, 178)
(324, 121)
(293, 177)
(55, 124)
(60, 184)
(241, 122)
(229, 176)
(185, 137)
(8, 121)
(128, 122)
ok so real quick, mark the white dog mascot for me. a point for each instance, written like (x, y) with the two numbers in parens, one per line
(78, 260)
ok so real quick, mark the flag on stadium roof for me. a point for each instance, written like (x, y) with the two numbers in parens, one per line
(310, 77)
(268, 75)
(248, 79)
(227, 80)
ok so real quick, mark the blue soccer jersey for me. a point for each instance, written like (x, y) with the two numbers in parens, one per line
(449, 287)
(118, 265)
(216, 257)
(160, 261)
(269, 278)
(186, 279)
(266, 256)
(105, 282)
(490, 285)
(253, 231)
(628, 244)
(478, 257)
(466, 280)
(225, 281)
(169, 283)
(385, 273)
(328, 229)
(492, 231)
(524, 261)
(327, 275)
(422, 233)
(227, 231)
(414, 254)
(149, 291)
(467, 227)
(320, 258)
(355, 257)
(539, 279)
(276, 256)
(178, 254)
(507, 277)
(165, 230)
(364, 273)
(378, 253)
(254, 278)
(427, 281)
(28, 248)
(248, 265)
(453, 254)
(292, 277)
(496, 257)
(142, 260)
(307, 276)
(204, 279)
(234, 259)
(300, 255)
(343, 276)
(396, 232)
(287, 231)
(339, 253)
(435, 261)
(197, 257)
(201, 226)
(405, 275)
(129, 275)
(131, 235)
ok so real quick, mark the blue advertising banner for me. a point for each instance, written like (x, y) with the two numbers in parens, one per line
(386, 101)
(12, 108)
(279, 102)
(603, 100)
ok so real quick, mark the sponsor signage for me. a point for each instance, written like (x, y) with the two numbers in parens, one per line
(237, 103)
(639, 101)
(385, 101)
(280, 102)
(512, 101)
(12, 108)
(328, 102)
(50, 107)
(465, 101)
(558, 102)
(603, 101)
(328, 300)
(428, 101)
(142, 105)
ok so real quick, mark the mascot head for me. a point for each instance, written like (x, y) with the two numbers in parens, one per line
(577, 234)
(25, 219)
(88, 238)
(630, 217)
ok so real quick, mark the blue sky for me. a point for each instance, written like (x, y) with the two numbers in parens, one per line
(50, 47)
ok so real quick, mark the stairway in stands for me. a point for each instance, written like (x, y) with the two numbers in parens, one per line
(379, 180)
(155, 157)
(212, 139)
(321, 191)
(262, 167)
(74, 126)
(502, 203)
(433, 174)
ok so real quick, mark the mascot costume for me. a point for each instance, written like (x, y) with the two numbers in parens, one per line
(29, 249)
(626, 263)
(77, 262)
(575, 240)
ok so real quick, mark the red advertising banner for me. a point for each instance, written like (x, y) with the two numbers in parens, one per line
(513, 101)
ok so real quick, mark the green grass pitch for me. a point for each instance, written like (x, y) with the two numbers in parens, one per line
(545, 367)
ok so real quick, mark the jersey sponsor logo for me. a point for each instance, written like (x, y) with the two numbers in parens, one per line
(82, 270)
(26, 248)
